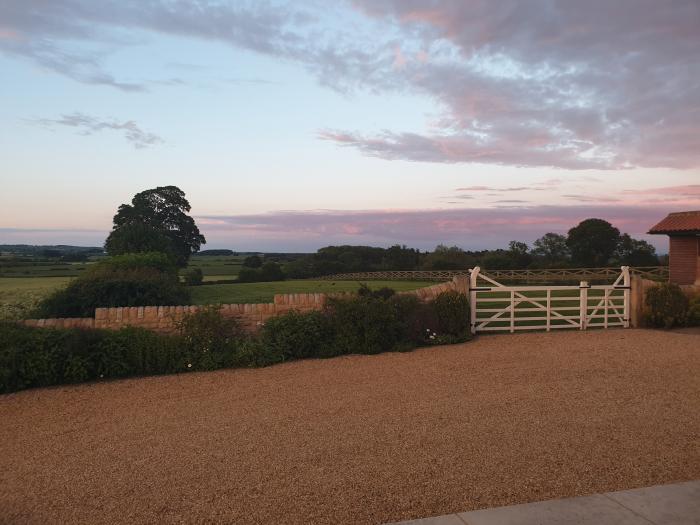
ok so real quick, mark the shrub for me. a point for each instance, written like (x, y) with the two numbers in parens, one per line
(155, 261)
(694, 311)
(297, 335)
(418, 320)
(34, 357)
(253, 261)
(210, 339)
(251, 353)
(364, 325)
(382, 293)
(270, 271)
(193, 276)
(145, 279)
(667, 306)
(452, 312)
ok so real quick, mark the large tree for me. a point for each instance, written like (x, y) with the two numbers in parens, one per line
(156, 220)
(593, 242)
(551, 250)
(635, 252)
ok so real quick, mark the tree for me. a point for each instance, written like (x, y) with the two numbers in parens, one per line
(399, 257)
(551, 250)
(448, 258)
(135, 279)
(592, 242)
(635, 252)
(156, 220)
(193, 276)
(253, 261)
(519, 254)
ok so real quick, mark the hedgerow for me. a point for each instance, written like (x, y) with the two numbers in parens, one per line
(207, 340)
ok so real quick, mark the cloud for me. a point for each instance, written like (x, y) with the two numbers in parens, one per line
(88, 125)
(472, 228)
(489, 188)
(573, 85)
(48, 32)
(688, 190)
(591, 198)
(604, 85)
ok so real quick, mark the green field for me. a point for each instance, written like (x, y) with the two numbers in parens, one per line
(213, 267)
(30, 268)
(27, 291)
(264, 292)
(17, 294)
(217, 268)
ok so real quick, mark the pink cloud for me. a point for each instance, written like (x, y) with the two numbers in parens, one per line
(607, 85)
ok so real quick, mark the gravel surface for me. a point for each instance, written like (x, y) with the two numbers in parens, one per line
(361, 439)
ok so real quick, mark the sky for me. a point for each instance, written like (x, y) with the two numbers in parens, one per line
(295, 125)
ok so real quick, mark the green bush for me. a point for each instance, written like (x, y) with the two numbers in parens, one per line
(193, 276)
(382, 293)
(210, 339)
(252, 261)
(452, 312)
(364, 325)
(34, 357)
(251, 353)
(296, 335)
(144, 279)
(270, 271)
(694, 311)
(667, 306)
(155, 261)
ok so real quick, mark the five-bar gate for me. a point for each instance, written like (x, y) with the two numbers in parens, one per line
(496, 307)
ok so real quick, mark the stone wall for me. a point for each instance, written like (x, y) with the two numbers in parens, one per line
(165, 318)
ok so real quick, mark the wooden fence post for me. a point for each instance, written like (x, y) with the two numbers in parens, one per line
(583, 309)
(473, 275)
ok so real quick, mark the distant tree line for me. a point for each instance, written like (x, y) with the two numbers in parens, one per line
(592, 243)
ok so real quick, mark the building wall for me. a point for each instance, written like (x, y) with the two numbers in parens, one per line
(684, 259)
(165, 319)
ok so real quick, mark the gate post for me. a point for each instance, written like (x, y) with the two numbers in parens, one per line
(627, 284)
(583, 305)
(473, 275)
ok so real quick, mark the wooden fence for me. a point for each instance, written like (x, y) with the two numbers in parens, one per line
(654, 273)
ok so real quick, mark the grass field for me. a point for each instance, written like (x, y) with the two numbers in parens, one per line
(41, 269)
(217, 267)
(26, 291)
(17, 293)
(264, 292)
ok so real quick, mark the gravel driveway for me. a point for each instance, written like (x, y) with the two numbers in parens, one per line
(360, 439)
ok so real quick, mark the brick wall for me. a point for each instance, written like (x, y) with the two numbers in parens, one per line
(165, 318)
(684, 259)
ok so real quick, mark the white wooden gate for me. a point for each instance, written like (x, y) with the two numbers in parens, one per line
(496, 307)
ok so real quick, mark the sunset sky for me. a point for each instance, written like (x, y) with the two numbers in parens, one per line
(295, 125)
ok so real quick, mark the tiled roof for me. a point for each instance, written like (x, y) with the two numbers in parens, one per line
(680, 222)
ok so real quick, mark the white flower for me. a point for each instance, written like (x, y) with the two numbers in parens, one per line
(101, 376)
(432, 336)
(189, 365)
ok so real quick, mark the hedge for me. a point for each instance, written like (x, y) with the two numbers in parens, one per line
(206, 340)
